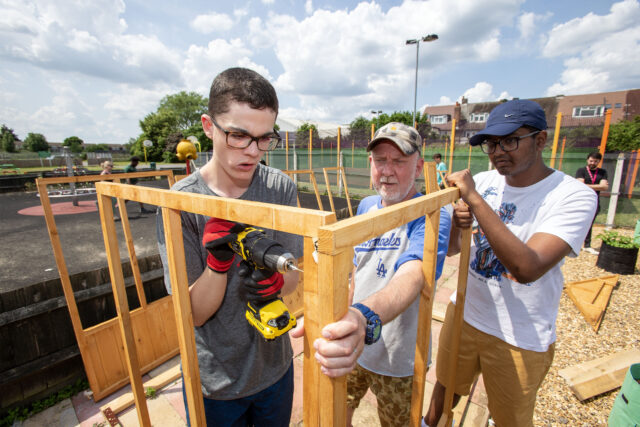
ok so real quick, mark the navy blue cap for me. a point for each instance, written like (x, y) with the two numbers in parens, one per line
(508, 117)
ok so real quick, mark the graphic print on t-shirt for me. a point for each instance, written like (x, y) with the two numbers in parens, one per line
(485, 262)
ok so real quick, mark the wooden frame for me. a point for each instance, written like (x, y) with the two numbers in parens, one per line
(325, 283)
(341, 174)
(312, 178)
(100, 345)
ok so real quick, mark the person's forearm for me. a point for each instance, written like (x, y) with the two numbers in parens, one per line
(399, 293)
(206, 295)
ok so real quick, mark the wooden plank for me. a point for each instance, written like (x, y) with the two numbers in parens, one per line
(133, 259)
(425, 309)
(312, 179)
(328, 185)
(158, 382)
(598, 376)
(463, 271)
(332, 305)
(361, 228)
(95, 178)
(304, 222)
(182, 306)
(295, 300)
(120, 297)
(311, 369)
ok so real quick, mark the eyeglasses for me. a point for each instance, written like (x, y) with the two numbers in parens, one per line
(509, 143)
(243, 140)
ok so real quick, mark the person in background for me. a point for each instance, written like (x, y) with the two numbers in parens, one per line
(107, 167)
(386, 282)
(246, 380)
(131, 167)
(441, 169)
(526, 218)
(596, 179)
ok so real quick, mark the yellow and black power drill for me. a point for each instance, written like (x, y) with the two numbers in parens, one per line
(271, 318)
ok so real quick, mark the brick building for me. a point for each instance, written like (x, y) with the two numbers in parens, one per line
(577, 110)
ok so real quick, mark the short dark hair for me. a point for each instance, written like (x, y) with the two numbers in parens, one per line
(244, 86)
(437, 156)
(135, 159)
(595, 155)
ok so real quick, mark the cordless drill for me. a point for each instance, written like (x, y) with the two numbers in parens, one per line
(271, 318)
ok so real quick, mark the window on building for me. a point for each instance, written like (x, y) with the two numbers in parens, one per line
(479, 117)
(439, 120)
(618, 105)
(588, 111)
(607, 106)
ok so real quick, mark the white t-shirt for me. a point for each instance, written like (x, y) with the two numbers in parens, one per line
(524, 314)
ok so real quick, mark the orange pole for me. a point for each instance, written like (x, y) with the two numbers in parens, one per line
(564, 141)
(286, 150)
(556, 136)
(373, 130)
(338, 144)
(446, 150)
(605, 135)
(633, 175)
(352, 149)
(469, 162)
(453, 139)
(310, 145)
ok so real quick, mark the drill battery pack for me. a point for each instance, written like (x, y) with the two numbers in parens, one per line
(270, 318)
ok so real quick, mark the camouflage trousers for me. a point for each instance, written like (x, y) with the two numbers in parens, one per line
(392, 393)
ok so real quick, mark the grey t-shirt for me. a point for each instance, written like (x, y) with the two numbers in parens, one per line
(235, 360)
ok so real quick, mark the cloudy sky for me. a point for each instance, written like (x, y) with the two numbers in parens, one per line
(95, 68)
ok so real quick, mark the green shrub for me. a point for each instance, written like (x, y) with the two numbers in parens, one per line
(613, 238)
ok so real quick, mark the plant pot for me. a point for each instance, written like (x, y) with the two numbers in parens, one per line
(617, 260)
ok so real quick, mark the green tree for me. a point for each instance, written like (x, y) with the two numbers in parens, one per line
(360, 129)
(36, 142)
(8, 139)
(177, 113)
(302, 134)
(624, 135)
(90, 148)
(74, 143)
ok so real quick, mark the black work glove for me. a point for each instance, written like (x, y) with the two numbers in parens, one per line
(259, 285)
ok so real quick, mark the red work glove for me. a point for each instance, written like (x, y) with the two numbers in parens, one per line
(218, 233)
(259, 284)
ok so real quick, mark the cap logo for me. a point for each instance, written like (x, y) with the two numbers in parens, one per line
(508, 115)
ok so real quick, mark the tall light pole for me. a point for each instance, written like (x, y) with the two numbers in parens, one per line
(427, 38)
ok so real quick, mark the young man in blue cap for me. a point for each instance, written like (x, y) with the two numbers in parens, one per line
(526, 218)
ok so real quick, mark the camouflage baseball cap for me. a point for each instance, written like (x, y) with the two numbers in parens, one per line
(406, 138)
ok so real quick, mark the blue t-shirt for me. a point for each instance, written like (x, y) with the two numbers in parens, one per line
(376, 261)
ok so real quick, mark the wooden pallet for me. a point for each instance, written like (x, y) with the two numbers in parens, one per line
(598, 376)
(591, 296)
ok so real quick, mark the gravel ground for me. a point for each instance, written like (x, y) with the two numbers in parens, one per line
(577, 343)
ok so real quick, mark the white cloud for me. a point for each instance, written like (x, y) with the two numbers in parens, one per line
(267, 1)
(598, 60)
(308, 7)
(445, 100)
(88, 38)
(212, 22)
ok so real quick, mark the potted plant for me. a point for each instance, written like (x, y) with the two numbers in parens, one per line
(618, 253)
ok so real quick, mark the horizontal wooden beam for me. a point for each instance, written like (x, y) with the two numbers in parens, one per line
(91, 178)
(360, 228)
(304, 222)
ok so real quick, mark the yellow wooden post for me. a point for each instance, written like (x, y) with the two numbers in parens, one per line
(605, 135)
(556, 136)
(634, 174)
(352, 149)
(564, 141)
(373, 130)
(338, 159)
(469, 161)
(286, 150)
(453, 139)
(310, 146)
